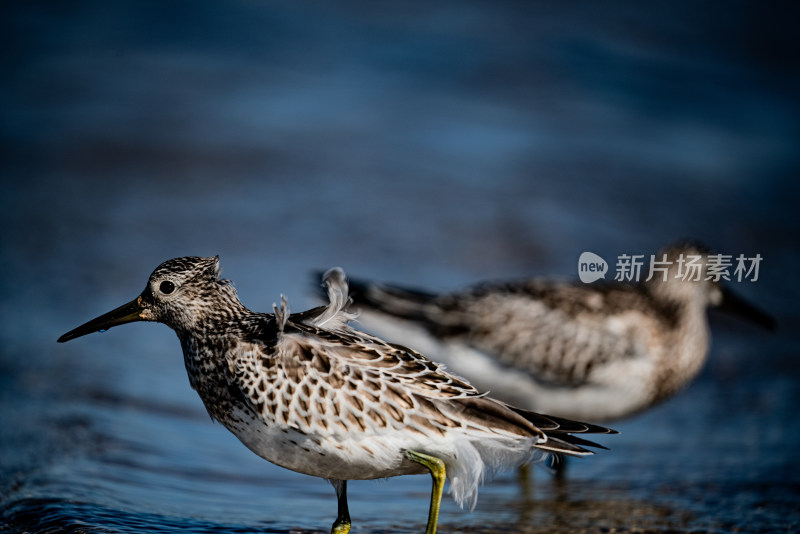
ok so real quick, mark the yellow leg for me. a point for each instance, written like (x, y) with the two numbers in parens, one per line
(342, 523)
(436, 467)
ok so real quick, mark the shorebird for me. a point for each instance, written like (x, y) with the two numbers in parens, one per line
(597, 352)
(309, 393)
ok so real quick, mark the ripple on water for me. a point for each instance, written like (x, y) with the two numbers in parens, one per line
(46, 515)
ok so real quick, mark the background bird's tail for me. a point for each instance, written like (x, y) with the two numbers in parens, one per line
(400, 302)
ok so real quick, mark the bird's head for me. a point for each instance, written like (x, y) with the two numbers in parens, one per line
(689, 273)
(181, 293)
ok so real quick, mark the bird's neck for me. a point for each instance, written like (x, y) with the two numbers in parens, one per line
(207, 367)
(206, 350)
(687, 351)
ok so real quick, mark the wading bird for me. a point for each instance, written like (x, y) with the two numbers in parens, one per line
(307, 392)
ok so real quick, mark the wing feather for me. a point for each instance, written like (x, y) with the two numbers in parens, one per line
(557, 333)
(313, 372)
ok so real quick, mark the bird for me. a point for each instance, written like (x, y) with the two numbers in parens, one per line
(308, 392)
(600, 352)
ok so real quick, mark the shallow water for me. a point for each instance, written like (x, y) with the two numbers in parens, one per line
(432, 146)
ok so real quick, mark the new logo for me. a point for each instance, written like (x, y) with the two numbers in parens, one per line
(591, 267)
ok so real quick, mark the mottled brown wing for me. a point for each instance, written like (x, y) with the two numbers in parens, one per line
(345, 382)
(557, 333)
(556, 341)
(348, 348)
(320, 381)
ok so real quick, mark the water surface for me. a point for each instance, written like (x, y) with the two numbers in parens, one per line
(429, 145)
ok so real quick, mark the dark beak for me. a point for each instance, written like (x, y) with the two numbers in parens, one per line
(127, 313)
(736, 305)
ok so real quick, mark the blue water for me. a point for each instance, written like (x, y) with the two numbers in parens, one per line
(429, 145)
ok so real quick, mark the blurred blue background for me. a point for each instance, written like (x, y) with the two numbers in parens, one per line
(433, 145)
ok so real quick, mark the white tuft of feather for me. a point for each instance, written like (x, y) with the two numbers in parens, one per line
(335, 315)
(465, 472)
(477, 460)
(282, 313)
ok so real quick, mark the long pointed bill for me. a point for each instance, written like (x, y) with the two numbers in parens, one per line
(127, 313)
(736, 305)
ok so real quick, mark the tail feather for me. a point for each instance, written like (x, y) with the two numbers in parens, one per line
(560, 446)
(575, 440)
(553, 424)
(401, 302)
(554, 433)
(559, 431)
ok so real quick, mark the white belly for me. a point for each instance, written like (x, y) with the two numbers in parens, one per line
(331, 457)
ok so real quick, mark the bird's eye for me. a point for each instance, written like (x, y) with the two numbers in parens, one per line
(166, 287)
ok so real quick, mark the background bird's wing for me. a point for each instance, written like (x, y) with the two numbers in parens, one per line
(557, 333)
